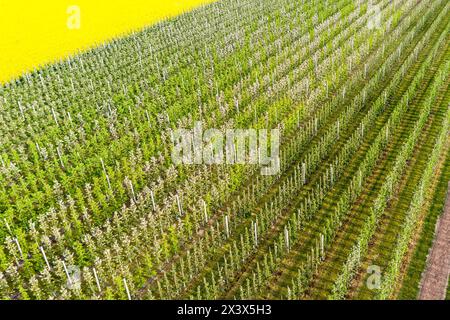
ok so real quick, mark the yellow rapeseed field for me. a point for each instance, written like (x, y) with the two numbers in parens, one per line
(33, 33)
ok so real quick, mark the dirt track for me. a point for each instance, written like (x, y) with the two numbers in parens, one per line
(435, 278)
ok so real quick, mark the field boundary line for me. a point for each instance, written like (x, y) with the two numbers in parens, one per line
(436, 275)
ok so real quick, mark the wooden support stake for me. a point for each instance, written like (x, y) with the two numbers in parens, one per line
(97, 280)
(18, 246)
(126, 288)
(45, 257)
